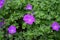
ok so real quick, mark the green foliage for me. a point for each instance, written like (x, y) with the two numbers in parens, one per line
(45, 12)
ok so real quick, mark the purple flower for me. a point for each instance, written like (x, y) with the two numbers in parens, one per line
(29, 19)
(12, 29)
(55, 26)
(2, 3)
(2, 22)
(28, 7)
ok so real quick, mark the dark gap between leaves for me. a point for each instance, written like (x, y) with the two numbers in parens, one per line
(20, 22)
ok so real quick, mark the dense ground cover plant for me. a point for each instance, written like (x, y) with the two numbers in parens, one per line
(43, 22)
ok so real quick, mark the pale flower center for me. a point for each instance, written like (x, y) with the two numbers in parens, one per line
(12, 30)
(29, 20)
